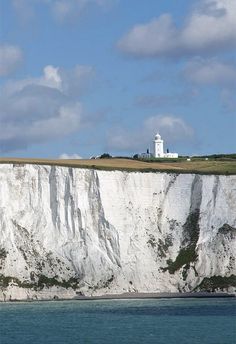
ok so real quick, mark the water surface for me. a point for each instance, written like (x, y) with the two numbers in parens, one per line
(163, 321)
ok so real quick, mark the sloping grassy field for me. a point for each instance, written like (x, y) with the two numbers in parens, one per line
(182, 166)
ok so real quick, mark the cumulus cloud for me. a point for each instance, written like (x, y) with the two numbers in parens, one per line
(210, 27)
(69, 82)
(10, 58)
(210, 72)
(69, 156)
(173, 128)
(36, 110)
(76, 80)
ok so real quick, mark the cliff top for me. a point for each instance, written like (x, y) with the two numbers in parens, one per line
(182, 166)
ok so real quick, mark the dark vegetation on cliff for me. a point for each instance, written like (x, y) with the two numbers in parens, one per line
(215, 283)
(188, 253)
(42, 282)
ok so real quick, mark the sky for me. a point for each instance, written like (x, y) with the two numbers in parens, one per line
(79, 78)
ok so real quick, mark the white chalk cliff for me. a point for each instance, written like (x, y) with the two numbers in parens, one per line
(70, 231)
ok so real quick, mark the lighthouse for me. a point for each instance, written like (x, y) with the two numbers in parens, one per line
(158, 147)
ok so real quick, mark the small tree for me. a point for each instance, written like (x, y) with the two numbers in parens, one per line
(105, 156)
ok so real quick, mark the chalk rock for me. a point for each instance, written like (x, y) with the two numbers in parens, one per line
(72, 231)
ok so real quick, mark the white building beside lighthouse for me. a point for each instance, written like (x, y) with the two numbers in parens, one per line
(159, 149)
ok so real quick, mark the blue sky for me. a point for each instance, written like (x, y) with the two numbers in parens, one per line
(83, 77)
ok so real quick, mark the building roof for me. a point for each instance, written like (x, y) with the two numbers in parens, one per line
(158, 136)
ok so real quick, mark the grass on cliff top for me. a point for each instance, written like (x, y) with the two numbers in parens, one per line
(180, 166)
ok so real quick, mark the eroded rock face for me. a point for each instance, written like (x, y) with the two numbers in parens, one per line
(66, 231)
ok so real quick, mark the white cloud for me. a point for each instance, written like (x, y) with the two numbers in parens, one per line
(67, 9)
(36, 110)
(209, 28)
(10, 58)
(62, 10)
(69, 156)
(65, 121)
(76, 80)
(50, 78)
(210, 72)
(72, 81)
(173, 128)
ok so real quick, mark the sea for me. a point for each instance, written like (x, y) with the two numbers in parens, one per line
(160, 321)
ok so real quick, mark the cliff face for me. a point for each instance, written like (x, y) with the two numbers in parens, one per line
(67, 231)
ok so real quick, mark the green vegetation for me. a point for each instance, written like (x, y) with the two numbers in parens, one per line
(43, 281)
(216, 282)
(227, 229)
(213, 157)
(187, 254)
(163, 246)
(160, 247)
(3, 253)
(3, 256)
(152, 241)
(219, 157)
(185, 271)
(102, 284)
(5, 281)
(105, 156)
(181, 165)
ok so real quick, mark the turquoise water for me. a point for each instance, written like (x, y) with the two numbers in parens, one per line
(184, 321)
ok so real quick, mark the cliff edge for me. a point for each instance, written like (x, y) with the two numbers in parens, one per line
(70, 231)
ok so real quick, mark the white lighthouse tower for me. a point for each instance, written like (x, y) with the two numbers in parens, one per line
(158, 147)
